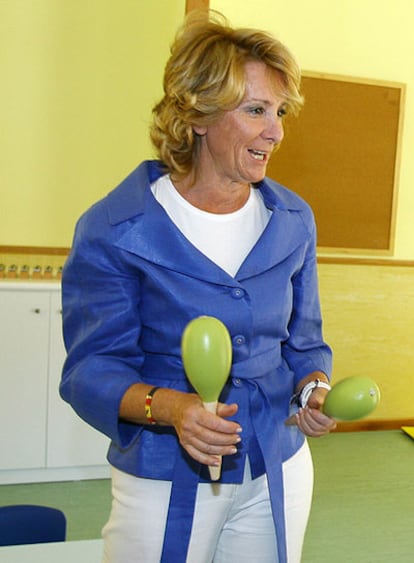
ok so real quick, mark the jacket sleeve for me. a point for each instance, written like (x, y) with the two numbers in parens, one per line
(305, 350)
(101, 328)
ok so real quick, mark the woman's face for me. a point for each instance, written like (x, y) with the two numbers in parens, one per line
(237, 147)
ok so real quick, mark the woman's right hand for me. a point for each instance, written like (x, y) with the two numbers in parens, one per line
(205, 436)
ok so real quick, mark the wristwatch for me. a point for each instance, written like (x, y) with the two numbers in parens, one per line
(302, 397)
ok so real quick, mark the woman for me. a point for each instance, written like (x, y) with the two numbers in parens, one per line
(201, 231)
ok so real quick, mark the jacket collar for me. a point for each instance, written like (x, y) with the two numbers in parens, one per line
(128, 199)
(151, 235)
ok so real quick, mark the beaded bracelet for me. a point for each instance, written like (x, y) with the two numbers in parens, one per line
(148, 403)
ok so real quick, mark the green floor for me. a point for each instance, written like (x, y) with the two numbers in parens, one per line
(363, 510)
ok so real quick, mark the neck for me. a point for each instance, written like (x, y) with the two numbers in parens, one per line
(212, 197)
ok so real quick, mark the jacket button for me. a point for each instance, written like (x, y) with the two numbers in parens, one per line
(237, 382)
(237, 293)
(239, 339)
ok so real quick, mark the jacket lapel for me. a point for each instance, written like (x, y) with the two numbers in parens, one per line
(144, 229)
(284, 233)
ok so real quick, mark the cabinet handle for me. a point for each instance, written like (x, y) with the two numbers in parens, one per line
(36, 311)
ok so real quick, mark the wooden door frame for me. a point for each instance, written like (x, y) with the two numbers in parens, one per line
(196, 4)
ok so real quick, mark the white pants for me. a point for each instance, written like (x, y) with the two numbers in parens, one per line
(232, 523)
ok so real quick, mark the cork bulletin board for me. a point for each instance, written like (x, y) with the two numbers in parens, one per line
(342, 156)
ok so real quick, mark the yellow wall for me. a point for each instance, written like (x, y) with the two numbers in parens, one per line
(78, 81)
(368, 310)
(360, 38)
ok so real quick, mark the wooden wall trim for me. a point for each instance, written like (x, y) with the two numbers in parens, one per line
(196, 5)
(368, 425)
(38, 250)
(349, 260)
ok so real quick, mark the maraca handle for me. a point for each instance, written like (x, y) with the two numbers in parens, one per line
(291, 421)
(215, 470)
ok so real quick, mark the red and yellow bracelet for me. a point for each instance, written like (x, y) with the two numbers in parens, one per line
(148, 403)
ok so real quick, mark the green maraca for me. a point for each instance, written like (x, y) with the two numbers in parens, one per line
(349, 399)
(352, 398)
(207, 354)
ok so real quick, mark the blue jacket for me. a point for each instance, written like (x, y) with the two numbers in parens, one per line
(130, 286)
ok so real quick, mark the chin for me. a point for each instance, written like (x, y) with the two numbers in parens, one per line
(258, 175)
(253, 175)
(256, 178)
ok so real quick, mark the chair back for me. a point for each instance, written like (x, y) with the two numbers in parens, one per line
(28, 523)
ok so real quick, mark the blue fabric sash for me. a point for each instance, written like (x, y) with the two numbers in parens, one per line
(181, 509)
(185, 483)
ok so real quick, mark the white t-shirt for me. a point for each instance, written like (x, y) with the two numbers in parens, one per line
(227, 238)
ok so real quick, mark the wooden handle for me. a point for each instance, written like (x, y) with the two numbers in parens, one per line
(291, 421)
(214, 470)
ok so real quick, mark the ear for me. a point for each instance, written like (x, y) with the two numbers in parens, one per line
(200, 130)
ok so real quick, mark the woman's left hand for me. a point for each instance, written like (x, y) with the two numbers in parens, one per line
(311, 419)
(314, 423)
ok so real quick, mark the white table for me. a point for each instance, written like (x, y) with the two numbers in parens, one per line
(85, 551)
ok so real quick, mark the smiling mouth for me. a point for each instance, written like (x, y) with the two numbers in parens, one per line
(258, 155)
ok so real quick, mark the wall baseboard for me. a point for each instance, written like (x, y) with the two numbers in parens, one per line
(39, 250)
(368, 425)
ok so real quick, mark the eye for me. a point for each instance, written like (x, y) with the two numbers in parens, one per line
(281, 112)
(256, 110)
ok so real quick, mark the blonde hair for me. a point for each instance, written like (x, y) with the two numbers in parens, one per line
(205, 76)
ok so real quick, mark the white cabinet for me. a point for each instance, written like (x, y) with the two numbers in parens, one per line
(24, 340)
(70, 441)
(41, 437)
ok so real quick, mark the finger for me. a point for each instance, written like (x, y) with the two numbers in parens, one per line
(208, 454)
(203, 458)
(314, 423)
(213, 448)
(204, 438)
(318, 417)
(219, 424)
(308, 426)
(226, 410)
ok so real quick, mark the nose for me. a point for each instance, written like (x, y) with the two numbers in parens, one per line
(274, 131)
